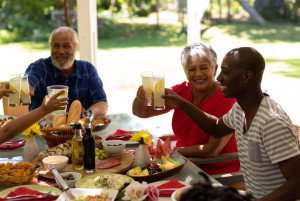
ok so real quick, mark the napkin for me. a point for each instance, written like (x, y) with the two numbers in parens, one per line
(169, 187)
(120, 135)
(12, 144)
(24, 192)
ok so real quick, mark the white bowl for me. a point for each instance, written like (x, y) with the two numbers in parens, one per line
(71, 177)
(58, 162)
(113, 146)
(177, 193)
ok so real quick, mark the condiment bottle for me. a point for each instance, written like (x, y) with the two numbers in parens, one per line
(77, 147)
(89, 149)
(142, 156)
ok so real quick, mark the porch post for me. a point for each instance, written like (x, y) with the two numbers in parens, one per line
(87, 30)
(195, 12)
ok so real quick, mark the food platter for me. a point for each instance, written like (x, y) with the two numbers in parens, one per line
(82, 192)
(103, 180)
(126, 159)
(160, 175)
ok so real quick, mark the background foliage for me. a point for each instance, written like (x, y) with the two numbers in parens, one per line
(23, 20)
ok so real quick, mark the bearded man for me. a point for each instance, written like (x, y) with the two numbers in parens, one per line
(61, 68)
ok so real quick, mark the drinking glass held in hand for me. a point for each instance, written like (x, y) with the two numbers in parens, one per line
(147, 80)
(54, 89)
(158, 92)
(20, 86)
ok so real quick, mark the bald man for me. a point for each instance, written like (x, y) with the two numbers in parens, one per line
(61, 68)
(267, 141)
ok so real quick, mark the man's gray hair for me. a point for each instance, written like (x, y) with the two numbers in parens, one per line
(64, 29)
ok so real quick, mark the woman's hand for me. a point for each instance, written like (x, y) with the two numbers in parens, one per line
(54, 103)
(5, 92)
(140, 95)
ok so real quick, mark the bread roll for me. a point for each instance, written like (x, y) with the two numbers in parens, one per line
(58, 121)
(74, 112)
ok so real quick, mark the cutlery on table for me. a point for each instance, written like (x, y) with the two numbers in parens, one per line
(61, 182)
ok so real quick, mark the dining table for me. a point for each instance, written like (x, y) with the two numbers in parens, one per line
(188, 173)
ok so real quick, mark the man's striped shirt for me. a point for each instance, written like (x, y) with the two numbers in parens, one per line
(270, 139)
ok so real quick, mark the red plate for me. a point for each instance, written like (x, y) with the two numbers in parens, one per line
(12, 144)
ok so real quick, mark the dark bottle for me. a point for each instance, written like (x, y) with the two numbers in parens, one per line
(89, 150)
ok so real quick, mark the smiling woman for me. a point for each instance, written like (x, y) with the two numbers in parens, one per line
(199, 62)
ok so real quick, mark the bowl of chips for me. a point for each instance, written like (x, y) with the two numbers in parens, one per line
(16, 173)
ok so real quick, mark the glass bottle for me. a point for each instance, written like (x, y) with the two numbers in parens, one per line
(77, 147)
(142, 156)
(89, 149)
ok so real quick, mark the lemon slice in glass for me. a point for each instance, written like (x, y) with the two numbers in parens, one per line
(159, 86)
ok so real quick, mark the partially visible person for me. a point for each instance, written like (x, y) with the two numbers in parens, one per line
(15, 126)
(199, 64)
(267, 140)
(205, 191)
(61, 68)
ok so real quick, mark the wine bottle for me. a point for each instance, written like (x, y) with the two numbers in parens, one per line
(89, 150)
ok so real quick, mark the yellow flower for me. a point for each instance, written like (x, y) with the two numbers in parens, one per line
(142, 134)
(32, 131)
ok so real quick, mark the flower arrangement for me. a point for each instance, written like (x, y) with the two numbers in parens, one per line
(32, 131)
(141, 192)
(147, 137)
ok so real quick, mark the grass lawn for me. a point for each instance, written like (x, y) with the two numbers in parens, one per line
(279, 43)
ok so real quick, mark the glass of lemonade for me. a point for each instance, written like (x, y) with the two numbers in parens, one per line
(147, 80)
(15, 85)
(54, 89)
(24, 92)
(158, 92)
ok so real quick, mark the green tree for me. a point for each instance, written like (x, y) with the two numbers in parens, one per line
(28, 19)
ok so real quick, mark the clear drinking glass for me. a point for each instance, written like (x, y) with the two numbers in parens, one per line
(158, 92)
(147, 80)
(54, 89)
(25, 92)
(15, 85)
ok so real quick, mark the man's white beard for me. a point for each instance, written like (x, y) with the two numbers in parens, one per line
(65, 66)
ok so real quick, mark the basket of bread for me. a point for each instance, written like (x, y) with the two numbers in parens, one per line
(59, 129)
(17, 173)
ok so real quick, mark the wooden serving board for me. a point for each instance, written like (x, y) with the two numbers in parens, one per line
(127, 159)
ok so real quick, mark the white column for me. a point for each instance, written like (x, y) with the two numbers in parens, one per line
(195, 11)
(87, 30)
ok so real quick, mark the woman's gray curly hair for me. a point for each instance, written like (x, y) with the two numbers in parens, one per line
(198, 49)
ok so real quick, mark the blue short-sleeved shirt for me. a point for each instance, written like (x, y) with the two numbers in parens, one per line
(84, 83)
